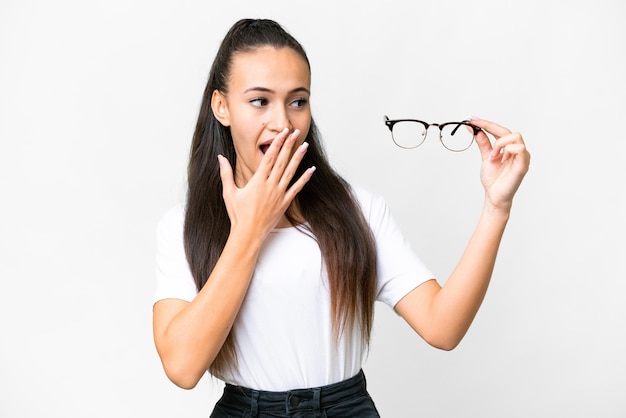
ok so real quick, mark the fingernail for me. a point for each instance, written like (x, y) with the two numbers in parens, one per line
(304, 146)
(475, 119)
(220, 159)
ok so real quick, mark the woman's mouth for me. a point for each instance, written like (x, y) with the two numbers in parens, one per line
(265, 147)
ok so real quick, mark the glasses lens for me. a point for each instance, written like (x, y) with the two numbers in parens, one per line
(457, 136)
(408, 134)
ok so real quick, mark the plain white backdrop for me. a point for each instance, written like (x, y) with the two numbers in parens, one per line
(98, 101)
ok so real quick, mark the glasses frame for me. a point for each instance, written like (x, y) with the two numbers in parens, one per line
(391, 122)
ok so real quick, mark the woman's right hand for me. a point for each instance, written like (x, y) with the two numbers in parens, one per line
(261, 203)
(189, 335)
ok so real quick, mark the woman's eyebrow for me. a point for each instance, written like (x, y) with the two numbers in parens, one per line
(266, 90)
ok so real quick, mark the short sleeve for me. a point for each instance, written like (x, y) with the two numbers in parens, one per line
(399, 269)
(173, 277)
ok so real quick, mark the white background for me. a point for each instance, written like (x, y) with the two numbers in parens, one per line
(98, 102)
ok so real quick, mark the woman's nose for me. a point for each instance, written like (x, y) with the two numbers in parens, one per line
(279, 120)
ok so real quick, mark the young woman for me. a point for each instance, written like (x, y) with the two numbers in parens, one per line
(268, 274)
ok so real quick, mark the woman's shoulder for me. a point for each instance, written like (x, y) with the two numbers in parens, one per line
(363, 194)
(372, 204)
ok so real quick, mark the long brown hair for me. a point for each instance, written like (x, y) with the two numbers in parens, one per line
(333, 215)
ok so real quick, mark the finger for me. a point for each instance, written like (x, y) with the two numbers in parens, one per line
(493, 128)
(226, 174)
(294, 163)
(514, 151)
(299, 184)
(284, 157)
(484, 145)
(502, 142)
(271, 155)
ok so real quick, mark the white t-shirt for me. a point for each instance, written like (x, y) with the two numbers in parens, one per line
(283, 332)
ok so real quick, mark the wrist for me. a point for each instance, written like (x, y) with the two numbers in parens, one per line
(501, 211)
(247, 236)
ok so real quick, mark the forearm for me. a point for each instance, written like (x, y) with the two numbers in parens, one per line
(189, 339)
(455, 305)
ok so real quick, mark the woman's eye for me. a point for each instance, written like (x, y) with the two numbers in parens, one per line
(258, 101)
(299, 102)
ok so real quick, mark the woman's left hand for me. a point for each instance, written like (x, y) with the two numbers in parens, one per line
(504, 163)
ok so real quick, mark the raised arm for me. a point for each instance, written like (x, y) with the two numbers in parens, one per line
(442, 315)
(189, 335)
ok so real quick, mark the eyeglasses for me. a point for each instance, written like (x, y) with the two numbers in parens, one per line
(411, 133)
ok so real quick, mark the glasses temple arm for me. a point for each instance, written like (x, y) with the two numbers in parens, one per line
(476, 129)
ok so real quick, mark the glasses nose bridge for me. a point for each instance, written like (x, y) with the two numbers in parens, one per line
(438, 125)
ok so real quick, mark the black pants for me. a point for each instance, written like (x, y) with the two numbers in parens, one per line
(344, 399)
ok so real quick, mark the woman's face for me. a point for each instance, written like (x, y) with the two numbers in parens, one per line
(268, 91)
